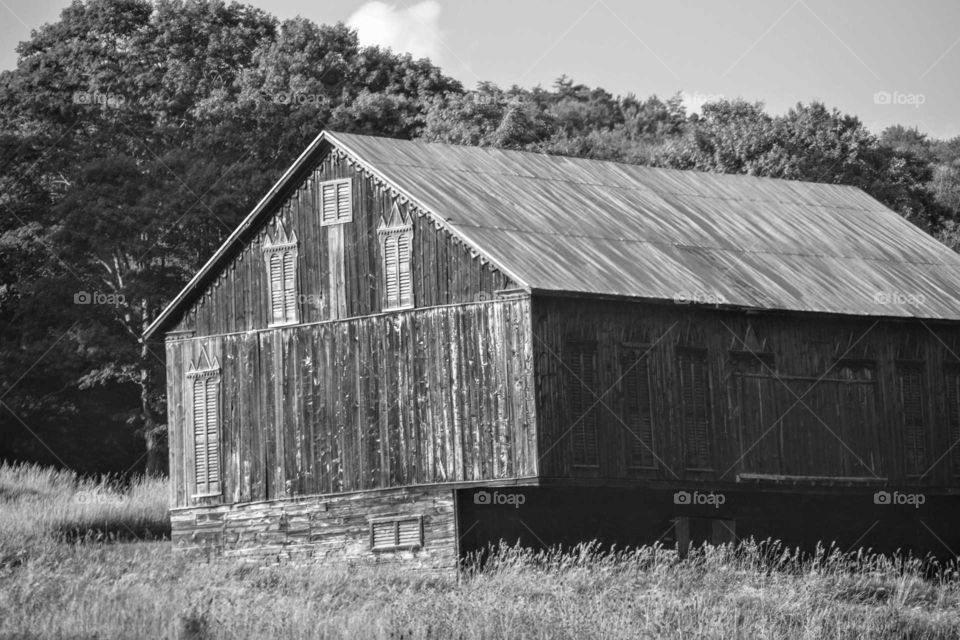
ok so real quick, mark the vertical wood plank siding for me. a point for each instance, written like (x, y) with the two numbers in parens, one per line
(348, 398)
(339, 265)
(389, 400)
(810, 396)
(585, 402)
(914, 433)
(637, 408)
(695, 405)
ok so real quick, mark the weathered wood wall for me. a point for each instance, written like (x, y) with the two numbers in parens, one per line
(421, 396)
(339, 265)
(790, 396)
(326, 528)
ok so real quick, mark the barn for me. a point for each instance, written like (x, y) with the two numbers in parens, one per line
(408, 351)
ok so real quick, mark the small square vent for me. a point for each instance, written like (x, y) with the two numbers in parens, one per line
(387, 534)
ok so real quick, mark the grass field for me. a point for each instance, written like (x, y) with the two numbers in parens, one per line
(77, 561)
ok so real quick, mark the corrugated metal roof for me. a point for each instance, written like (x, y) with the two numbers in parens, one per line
(588, 226)
(593, 227)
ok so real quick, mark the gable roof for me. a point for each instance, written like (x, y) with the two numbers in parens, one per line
(572, 225)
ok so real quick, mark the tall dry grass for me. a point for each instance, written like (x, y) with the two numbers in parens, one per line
(40, 506)
(73, 587)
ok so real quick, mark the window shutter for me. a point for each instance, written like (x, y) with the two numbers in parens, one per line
(391, 269)
(582, 381)
(281, 254)
(404, 277)
(910, 384)
(396, 244)
(328, 194)
(638, 410)
(289, 287)
(276, 287)
(206, 430)
(344, 202)
(213, 435)
(694, 390)
(200, 450)
(953, 416)
(336, 201)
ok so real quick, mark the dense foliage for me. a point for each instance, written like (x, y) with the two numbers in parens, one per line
(134, 136)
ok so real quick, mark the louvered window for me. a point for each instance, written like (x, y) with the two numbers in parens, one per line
(280, 254)
(336, 203)
(581, 365)
(952, 378)
(695, 409)
(205, 386)
(396, 247)
(396, 533)
(637, 409)
(910, 390)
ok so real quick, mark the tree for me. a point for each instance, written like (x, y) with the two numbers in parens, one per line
(809, 142)
(910, 140)
(168, 122)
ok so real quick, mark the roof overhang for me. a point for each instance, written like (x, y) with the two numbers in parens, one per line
(269, 204)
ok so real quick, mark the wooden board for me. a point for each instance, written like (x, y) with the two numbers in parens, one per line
(368, 403)
(821, 399)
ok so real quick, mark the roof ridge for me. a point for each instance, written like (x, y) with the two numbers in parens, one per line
(576, 159)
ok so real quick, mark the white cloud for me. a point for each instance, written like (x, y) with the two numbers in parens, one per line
(414, 29)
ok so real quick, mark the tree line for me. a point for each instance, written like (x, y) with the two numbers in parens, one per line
(134, 136)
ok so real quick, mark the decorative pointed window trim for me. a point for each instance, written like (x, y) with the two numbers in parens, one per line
(396, 260)
(336, 201)
(280, 255)
(205, 428)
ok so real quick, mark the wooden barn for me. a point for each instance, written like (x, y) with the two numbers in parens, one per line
(408, 351)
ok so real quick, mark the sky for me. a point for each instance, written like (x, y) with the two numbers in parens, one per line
(885, 61)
